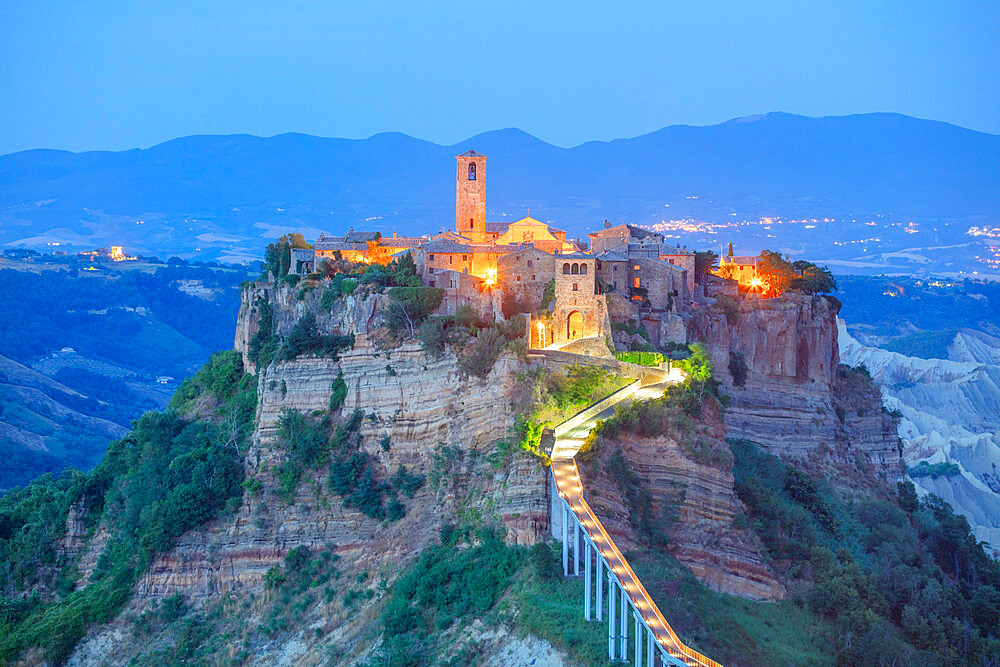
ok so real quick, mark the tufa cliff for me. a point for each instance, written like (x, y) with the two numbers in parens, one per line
(779, 362)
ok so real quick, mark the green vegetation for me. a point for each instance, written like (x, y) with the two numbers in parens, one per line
(738, 368)
(410, 306)
(478, 344)
(459, 579)
(130, 317)
(906, 578)
(923, 344)
(278, 255)
(295, 585)
(649, 528)
(641, 358)
(338, 392)
(729, 307)
(165, 477)
(548, 296)
(265, 343)
(632, 328)
(942, 469)
(305, 338)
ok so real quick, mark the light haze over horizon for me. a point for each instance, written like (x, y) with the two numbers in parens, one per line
(112, 76)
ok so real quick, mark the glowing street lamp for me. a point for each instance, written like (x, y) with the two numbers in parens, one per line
(490, 278)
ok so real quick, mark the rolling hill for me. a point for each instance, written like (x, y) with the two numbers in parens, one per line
(218, 196)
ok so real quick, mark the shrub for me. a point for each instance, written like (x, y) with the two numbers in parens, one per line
(264, 343)
(729, 307)
(446, 584)
(477, 359)
(305, 338)
(942, 469)
(641, 358)
(338, 393)
(544, 561)
(432, 336)
(410, 306)
(738, 368)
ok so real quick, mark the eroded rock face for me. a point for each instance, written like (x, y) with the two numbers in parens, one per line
(797, 401)
(437, 424)
(692, 500)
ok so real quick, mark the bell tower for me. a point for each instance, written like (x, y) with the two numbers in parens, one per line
(470, 196)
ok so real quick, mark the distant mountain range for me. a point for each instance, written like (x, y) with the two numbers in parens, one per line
(221, 196)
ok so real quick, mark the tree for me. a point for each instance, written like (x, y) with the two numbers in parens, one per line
(410, 306)
(704, 263)
(778, 273)
(813, 279)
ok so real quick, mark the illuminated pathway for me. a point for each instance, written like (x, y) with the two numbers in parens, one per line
(652, 635)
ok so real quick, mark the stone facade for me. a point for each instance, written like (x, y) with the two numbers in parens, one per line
(578, 311)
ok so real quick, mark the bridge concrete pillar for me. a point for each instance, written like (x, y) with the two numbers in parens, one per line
(576, 546)
(587, 574)
(599, 581)
(638, 640)
(623, 629)
(565, 540)
(611, 615)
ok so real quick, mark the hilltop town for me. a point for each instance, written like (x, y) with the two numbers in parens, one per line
(568, 289)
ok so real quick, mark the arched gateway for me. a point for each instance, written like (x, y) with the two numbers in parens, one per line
(574, 325)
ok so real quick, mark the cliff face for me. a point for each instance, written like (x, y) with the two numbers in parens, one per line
(692, 499)
(422, 406)
(797, 401)
(353, 313)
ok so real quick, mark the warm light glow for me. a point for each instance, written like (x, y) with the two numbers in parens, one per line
(490, 278)
(756, 282)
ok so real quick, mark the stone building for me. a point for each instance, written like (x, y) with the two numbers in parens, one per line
(578, 310)
(612, 237)
(523, 275)
(741, 268)
(470, 196)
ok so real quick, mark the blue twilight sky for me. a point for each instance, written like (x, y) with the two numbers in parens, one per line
(122, 74)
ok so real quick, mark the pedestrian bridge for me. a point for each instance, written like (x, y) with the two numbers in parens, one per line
(610, 585)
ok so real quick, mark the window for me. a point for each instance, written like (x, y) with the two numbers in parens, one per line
(671, 261)
(519, 279)
(576, 287)
(432, 283)
(472, 171)
(430, 270)
(583, 269)
(450, 259)
(565, 269)
(636, 267)
(471, 224)
(430, 258)
(532, 276)
(451, 283)
(635, 282)
(529, 263)
(598, 266)
(576, 270)
(465, 258)
(615, 268)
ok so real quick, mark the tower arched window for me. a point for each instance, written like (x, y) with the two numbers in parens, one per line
(472, 171)
(576, 269)
(565, 269)
(583, 269)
